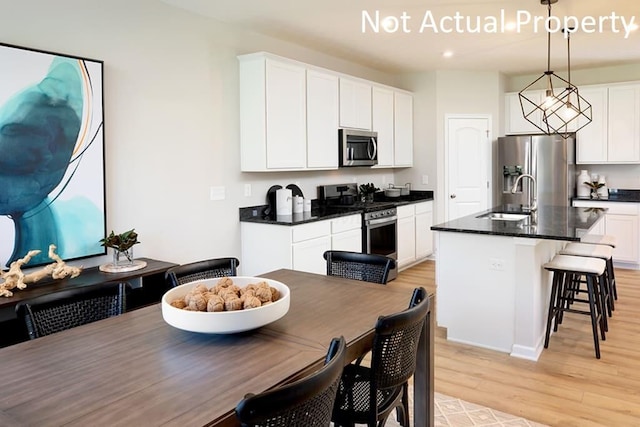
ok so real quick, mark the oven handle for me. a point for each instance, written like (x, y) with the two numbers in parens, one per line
(387, 219)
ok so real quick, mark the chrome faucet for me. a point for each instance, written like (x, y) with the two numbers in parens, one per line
(533, 199)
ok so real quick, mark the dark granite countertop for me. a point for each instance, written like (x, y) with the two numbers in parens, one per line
(320, 212)
(553, 223)
(632, 196)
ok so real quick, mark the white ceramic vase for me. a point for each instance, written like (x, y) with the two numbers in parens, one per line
(582, 189)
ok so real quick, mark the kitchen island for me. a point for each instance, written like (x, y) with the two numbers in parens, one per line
(492, 289)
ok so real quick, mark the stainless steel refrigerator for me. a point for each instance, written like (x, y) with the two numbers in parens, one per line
(548, 158)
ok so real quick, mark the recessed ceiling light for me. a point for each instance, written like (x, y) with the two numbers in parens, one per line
(447, 54)
(633, 27)
(510, 26)
(390, 24)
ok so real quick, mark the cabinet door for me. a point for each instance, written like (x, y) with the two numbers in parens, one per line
(286, 126)
(406, 240)
(515, 121)
(307, 255)
(625, 229)
(322, 120)
(355, 104)
(623, 130)
(403, 129)
(382, 122)
(424, 235)
(347, 241)
(591, 141)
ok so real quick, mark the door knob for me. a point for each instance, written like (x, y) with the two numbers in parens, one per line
(452, 196)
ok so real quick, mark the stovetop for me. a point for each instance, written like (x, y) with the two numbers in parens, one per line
(360, 206)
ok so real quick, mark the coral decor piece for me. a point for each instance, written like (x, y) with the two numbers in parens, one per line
(15, 278)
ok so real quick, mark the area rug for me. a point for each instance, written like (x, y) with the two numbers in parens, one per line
(453, 412)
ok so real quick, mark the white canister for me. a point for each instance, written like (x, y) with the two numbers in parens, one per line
(582, 189)
(603, 192)
(307, 205)
(283, 202)
(298, 204)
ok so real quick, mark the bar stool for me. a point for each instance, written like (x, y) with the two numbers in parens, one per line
(565, 268)
(605, 253)
(603, 239)
(599, 239)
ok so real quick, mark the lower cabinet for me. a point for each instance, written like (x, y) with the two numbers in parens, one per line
(622, 221)
(415, 239)
(268, 247)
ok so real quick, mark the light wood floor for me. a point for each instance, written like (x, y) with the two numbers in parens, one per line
(567, 386)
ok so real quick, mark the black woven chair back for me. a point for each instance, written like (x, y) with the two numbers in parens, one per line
(63, 310)
(359, 266)
(368, 395)
(307, 402)
(395, 345)
(201, 270)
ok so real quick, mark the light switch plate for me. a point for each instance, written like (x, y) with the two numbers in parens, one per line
(217, 193)
(425, 179)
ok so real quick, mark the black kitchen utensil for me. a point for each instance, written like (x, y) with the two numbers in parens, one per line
(271, 200)
(295, 190)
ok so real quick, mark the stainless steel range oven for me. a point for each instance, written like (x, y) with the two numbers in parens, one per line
(379, 219)
(380, 234)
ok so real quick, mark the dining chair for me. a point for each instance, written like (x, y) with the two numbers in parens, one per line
(201, 270)
(58, 311)
(307, 402)
(359, 266)
(368, 395)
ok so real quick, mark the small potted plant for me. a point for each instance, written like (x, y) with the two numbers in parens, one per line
(367, 191)
(122, 245)
(594, 185)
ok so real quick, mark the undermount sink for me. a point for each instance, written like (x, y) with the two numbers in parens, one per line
(504, 216)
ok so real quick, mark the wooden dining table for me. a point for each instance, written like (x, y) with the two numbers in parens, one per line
(136, 370)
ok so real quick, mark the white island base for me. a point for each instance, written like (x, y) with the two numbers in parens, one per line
(493, 292)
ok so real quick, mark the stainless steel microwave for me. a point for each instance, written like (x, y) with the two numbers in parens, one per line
(358, 147)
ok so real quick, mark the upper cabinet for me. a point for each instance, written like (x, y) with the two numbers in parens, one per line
(515, 123)
(613, 136)
(403, 129)
(392, 118)
(273, 119)
(322, 120)
(382, 121)
(290, 113)
(355, 103)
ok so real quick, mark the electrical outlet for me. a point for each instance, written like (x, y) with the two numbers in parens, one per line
(425, 179)
(247, 190)
(496, 264)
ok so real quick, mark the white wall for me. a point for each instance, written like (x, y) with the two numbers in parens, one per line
(171, 116)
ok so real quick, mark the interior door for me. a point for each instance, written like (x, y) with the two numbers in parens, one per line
(468, 147)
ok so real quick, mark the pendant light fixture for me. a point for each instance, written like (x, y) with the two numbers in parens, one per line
(561, 110)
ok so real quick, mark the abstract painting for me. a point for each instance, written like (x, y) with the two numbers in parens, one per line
(52, 183)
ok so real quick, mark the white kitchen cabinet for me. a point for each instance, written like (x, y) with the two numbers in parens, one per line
(307, 255)
(424, 235)
(515, 123)
(382, 121)
(406, 236)
(403, 129)
(355, 103)
(591, 141)
(415, 238)
(273, 124)
(322, 120)
(624, 124)
(621, 221)
(346, 233)
(268, 247)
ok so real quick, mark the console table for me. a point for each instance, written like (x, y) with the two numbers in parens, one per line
(147, 287)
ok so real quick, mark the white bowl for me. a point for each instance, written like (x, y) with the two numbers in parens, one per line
(224, 322)
(392, 192)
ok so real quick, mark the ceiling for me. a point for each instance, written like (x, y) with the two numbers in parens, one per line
(336, 27)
